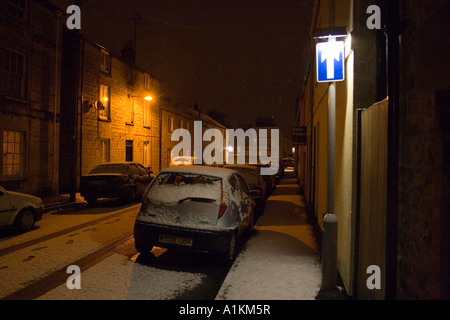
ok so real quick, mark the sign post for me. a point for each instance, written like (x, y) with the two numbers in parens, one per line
(330, 68)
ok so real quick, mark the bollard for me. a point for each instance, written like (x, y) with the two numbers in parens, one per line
(329, 289)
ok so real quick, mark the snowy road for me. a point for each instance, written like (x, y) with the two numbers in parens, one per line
(99, 241)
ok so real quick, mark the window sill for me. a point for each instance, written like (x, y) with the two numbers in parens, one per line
(129, 124)
(16, 99)
(105, 72)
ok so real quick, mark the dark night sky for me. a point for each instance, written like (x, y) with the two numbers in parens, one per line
(245, 58)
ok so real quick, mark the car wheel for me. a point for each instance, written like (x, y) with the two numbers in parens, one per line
(252, 223)
(144, 251)
(231, 253)
(25, 220)
(91, 200)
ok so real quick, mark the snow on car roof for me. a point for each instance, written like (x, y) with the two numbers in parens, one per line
(243, 166)
(206, 170)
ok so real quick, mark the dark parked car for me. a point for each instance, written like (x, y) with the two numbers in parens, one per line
(255, 181)
(270, 180)
(288, 164)
(122, 180)
(195, 208)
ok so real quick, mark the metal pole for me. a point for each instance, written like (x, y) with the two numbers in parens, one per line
(329, 256)
(331, 144)
(329, 288)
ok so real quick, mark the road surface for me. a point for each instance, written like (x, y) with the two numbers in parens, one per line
(98, 242)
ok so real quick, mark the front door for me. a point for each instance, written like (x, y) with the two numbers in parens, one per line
(5, 207)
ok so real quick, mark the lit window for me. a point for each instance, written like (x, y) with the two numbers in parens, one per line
(15, 75)
(171, 124)
(147, 154)
(105, 99)
(12, 154)
(105, 61)
(147, 113)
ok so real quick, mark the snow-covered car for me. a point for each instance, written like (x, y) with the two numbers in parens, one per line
(19, 210)
(122, 180)
(252, 175)
(195, 208)
(182, 160)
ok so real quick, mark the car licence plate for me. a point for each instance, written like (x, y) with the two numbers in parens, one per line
(97, 182)
(182, 241)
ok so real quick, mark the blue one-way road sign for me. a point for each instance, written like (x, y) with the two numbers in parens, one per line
(330, 61)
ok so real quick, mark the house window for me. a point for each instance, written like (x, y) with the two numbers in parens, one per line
(15, 75)
(16, 8)
(170, 124)
(105, 61)
(147, 113)
(147, 81)
(169, 156)
(104, 150)
(188, 126)
(105, 98)
(132, 113)
(129, 150)
(12, 153)
(147, 154)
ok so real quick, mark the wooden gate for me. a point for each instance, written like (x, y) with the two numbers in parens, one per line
(371, 226)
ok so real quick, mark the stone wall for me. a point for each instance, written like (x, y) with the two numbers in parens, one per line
(423, 261)
(33, 37)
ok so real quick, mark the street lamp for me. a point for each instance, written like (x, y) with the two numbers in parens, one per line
(148, 98)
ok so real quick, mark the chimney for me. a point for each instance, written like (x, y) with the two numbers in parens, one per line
(128, 53)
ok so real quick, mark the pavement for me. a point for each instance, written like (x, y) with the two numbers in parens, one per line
(61, 201)
(281, 261)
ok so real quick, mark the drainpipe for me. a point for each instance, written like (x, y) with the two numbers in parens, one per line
(55, 138)
(393, 149)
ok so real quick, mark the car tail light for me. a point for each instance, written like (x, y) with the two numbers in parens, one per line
(222, 209)
(223, 203)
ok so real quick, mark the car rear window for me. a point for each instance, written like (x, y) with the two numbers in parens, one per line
(170, 188)
(111, 168)
(250, 175)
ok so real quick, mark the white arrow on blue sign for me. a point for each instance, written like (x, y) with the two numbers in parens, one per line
(330, 61)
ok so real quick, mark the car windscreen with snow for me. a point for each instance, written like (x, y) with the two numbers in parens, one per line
(191, 200)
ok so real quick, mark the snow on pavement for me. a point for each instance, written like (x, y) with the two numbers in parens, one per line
(280, 261)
